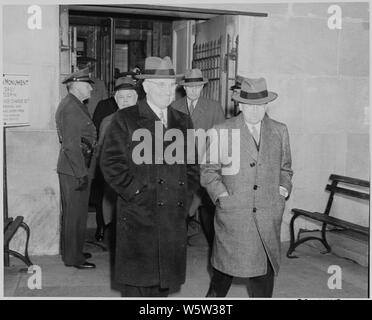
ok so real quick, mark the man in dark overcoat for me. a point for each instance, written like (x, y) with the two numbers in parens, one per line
(75, 167)
(153, 193)
(204, 113)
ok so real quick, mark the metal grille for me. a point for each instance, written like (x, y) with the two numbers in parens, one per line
(207, 57)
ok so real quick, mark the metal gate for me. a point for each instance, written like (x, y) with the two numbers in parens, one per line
(212, 60)
(208, 58)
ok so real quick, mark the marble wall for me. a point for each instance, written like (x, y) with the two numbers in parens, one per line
(322, 78)
(32, 151)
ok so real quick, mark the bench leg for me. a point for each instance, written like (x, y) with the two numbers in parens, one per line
(24, 258)
(324, 239)
(292, 245)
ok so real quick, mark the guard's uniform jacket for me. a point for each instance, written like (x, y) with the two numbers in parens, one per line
(151, 226)
(77, 135)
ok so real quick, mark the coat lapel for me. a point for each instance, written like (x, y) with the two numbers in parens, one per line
(146, 117)
(247, 141)
(199, 109)
(267, 136)
(81, 105)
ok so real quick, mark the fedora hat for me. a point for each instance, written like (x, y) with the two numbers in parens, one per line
(157, 68)
(125, 83)
(254, 91)
(193, 77)
(78, 76)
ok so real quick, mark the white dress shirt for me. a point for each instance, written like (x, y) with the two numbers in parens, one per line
(157, 110)
(189, 103)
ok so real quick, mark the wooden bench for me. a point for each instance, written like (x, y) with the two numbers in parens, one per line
(11, 225)
(349, 228)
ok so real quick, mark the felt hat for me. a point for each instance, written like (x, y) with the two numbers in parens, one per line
(254, 91)
(193, 77)
(157, 68)
(125, 83)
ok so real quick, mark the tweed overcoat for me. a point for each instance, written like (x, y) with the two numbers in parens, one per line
(248, 221)
(151, 226)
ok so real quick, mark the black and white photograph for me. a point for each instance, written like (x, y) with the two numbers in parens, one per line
(185, 150)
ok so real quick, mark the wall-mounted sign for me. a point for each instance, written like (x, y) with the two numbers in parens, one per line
(16, 99)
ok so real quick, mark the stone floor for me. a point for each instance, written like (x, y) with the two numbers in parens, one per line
(305, 277)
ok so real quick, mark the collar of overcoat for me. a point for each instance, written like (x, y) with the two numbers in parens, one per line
(247, 140)
(81, 105)
(147, 118)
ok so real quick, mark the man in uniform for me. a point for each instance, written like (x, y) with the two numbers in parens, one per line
(77, 135)
(205, 113)
(99, 91)
(153, 195)
(249, 202)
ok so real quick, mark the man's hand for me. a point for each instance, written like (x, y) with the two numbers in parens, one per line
(82, 183)
(195, 204)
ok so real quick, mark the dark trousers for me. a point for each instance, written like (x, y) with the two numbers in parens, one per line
(258, 287)
(74, 220)
(134, 291)
(206, 216)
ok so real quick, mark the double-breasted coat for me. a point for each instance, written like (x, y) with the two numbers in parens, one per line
(248, 221)
(151, 226)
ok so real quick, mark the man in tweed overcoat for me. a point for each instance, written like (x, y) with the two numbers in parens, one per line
(250, 201)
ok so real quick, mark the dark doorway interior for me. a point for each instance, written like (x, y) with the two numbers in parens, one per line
(119, 44)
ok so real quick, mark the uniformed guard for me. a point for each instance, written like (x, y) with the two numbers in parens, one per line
(76, 163)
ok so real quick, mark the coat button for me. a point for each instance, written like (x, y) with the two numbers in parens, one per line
(255, 187)
(161, 181)
(252, 164)
(181, 183)
(180, 204)
(254, 209)
(160, 203)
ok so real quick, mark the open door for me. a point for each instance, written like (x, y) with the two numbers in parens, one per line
(214, 52)
(183, 40)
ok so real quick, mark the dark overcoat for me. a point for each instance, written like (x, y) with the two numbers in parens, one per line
(151, 226)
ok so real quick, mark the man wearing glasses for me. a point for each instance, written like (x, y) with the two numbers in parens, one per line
(153, 195)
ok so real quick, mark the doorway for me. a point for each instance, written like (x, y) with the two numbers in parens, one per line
(118, 44)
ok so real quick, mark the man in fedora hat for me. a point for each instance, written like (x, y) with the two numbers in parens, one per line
(125, 96)
(99, 91)
(205, 113)
(76, 163)
(152, 197)
(250, 203)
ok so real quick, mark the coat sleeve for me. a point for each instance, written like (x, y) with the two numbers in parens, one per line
(286, 171)
(115, 160)
(219, 116)
(71, 140)
(193, 171)
(210, 169)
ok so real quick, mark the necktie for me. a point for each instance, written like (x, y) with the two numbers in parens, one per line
(255, 135)
(162, 118)
(191, 107)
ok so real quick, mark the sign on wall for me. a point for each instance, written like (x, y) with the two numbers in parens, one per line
(16, 99)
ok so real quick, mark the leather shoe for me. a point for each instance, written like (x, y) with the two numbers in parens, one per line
(86, 265)
(87, 255)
